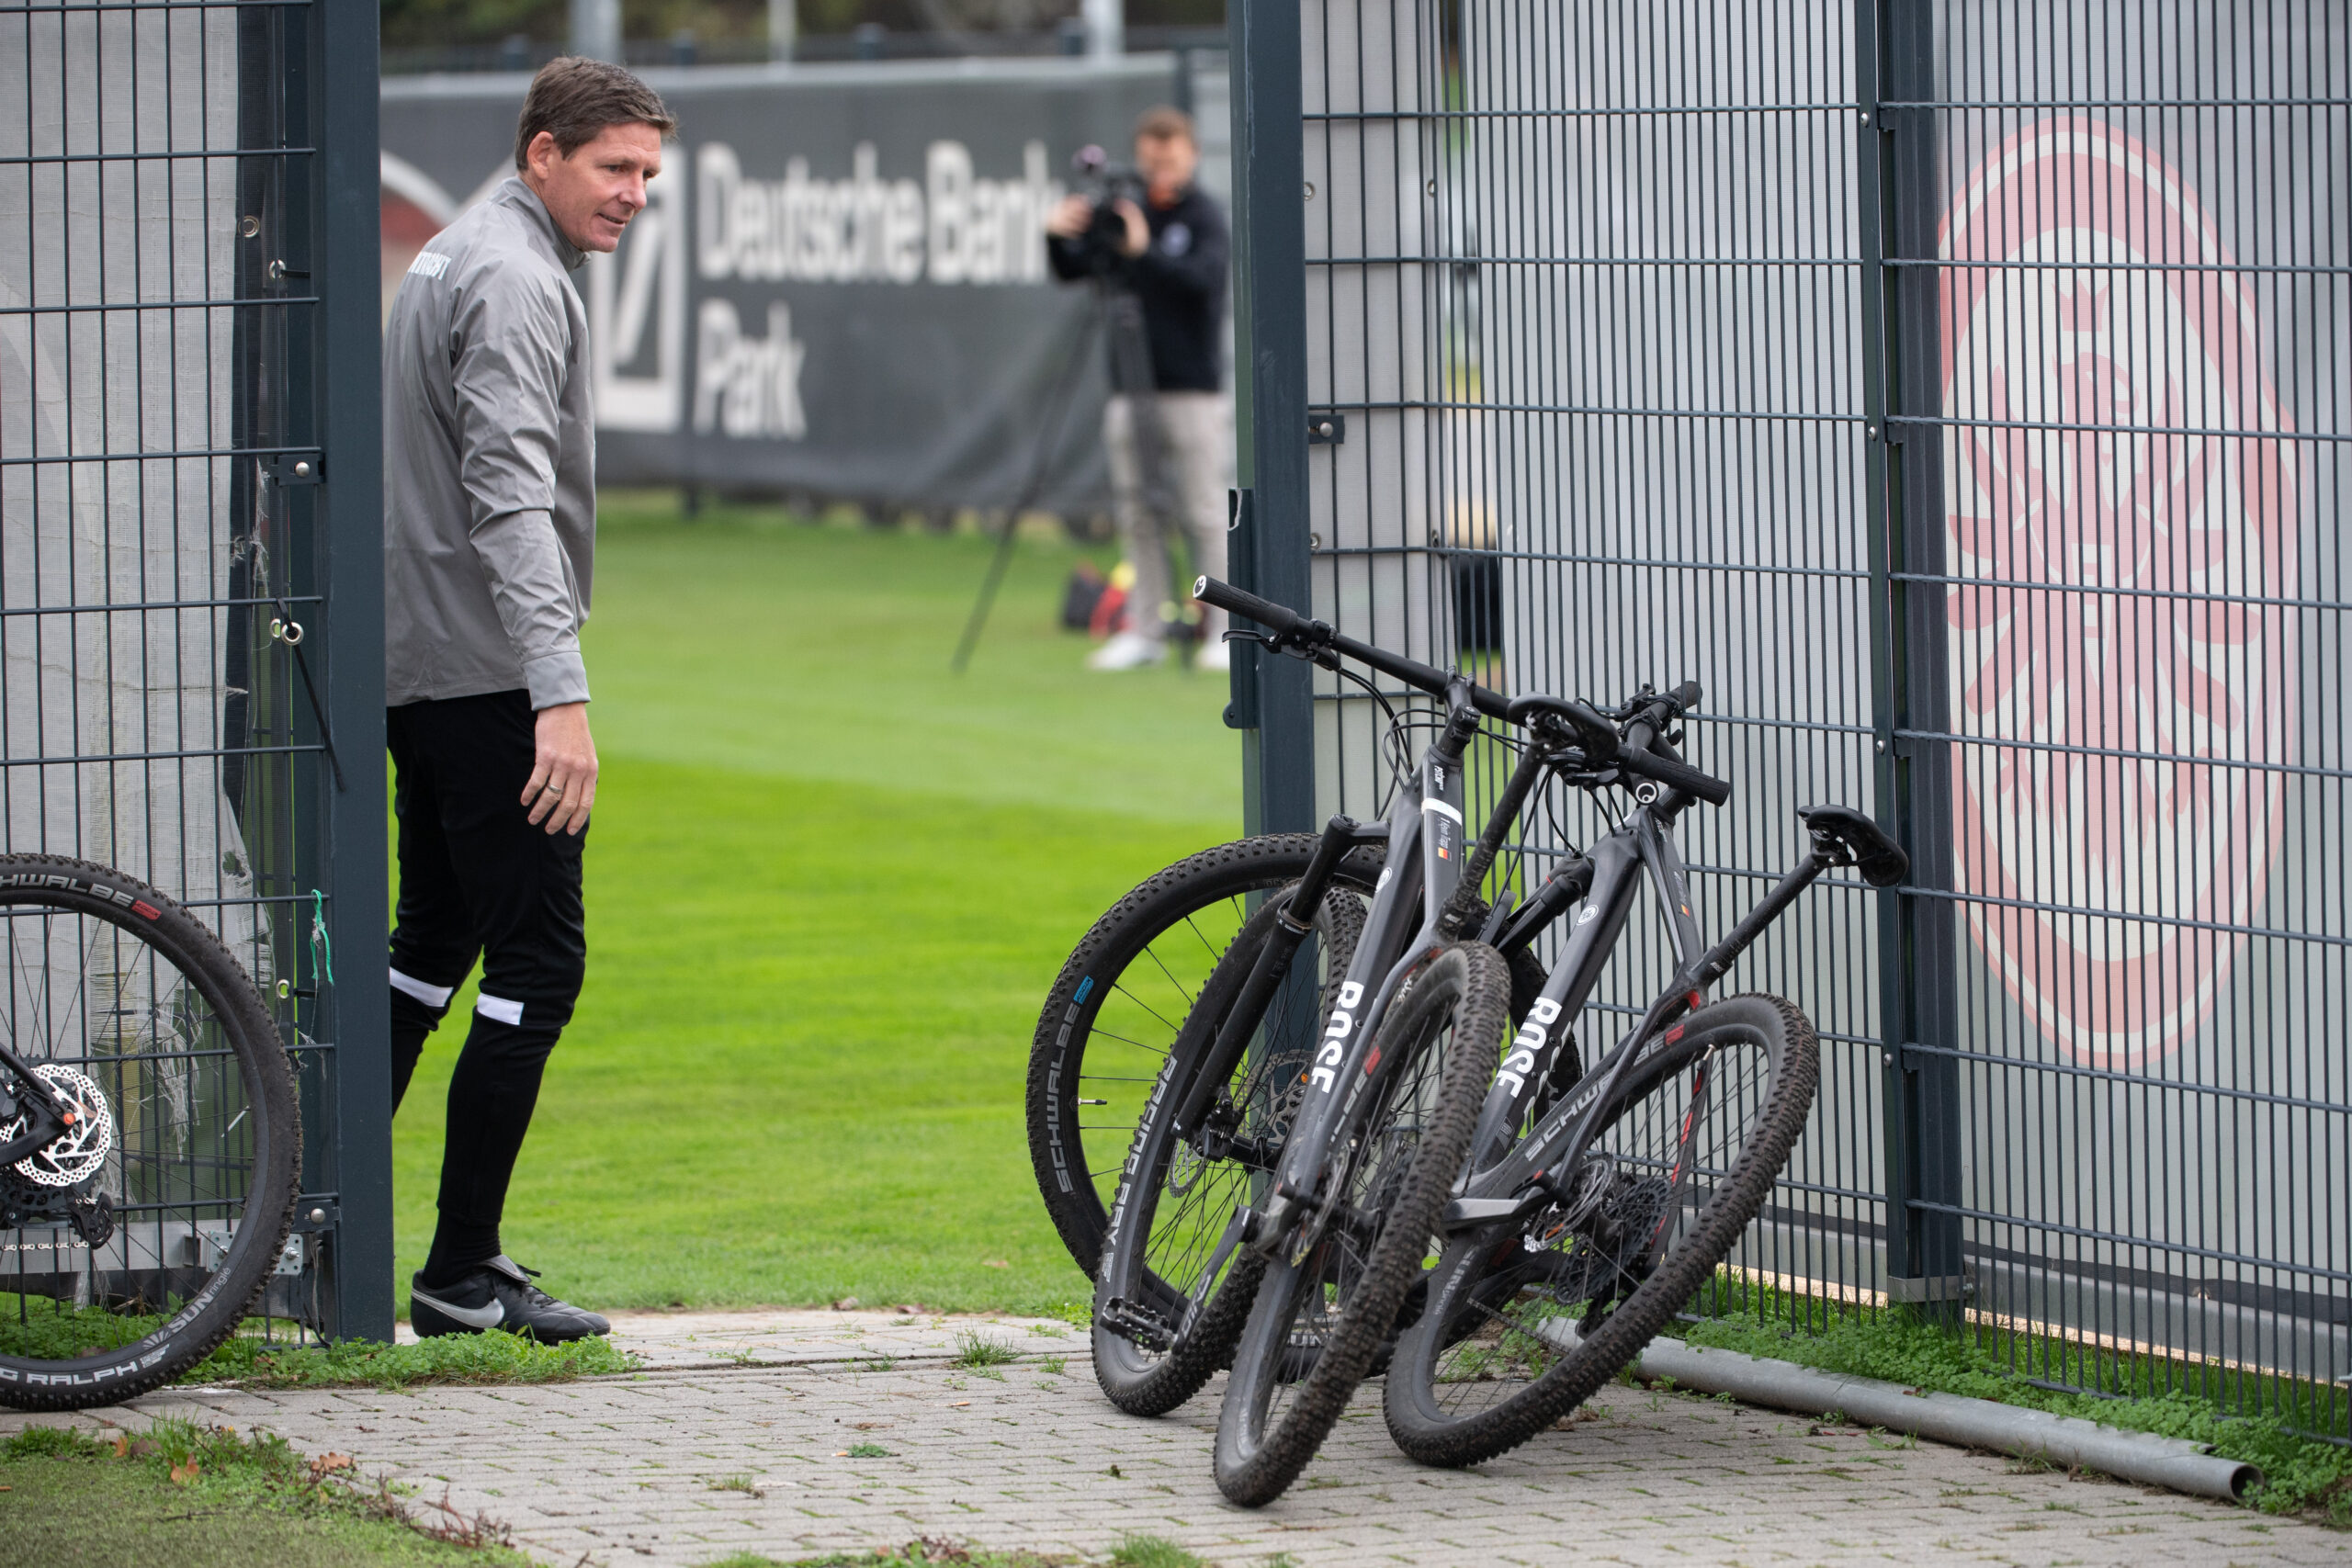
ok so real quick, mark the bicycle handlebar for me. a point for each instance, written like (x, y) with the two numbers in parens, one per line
(1675, 775)
(1602, 745)
(1311, 636)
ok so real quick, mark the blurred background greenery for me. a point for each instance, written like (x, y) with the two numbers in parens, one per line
(434, 24)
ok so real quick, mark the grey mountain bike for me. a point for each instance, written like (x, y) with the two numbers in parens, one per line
(1347, 1187)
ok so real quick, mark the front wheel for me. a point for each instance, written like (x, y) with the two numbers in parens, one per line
(1174, 1287)
(1323, 1313)
(1116, 1009)
(137, 1241)
(1523, 1325)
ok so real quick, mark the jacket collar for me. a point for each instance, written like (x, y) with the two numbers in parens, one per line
(512, 192)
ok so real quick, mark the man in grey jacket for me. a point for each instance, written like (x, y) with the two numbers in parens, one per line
(489, 533)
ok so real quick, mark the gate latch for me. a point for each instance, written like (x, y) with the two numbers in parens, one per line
(295, 469)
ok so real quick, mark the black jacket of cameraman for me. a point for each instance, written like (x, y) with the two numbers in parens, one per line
(1180, 282)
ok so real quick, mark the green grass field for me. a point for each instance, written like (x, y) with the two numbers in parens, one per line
(828, 886)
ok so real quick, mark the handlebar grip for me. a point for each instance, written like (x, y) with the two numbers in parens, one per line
(1686, 696)
(1235, 601)
(1675, 775)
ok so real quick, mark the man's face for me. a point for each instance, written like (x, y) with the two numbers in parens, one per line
(1166, 164)
(592, 194)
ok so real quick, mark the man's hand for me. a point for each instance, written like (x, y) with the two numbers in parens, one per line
(563, 777)
(1070, 218)
(1137, 238)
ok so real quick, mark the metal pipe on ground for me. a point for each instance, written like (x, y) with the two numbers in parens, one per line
(2173, 1463)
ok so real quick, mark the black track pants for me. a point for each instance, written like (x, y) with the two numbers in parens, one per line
(477, 879)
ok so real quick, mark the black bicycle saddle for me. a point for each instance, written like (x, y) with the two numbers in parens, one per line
(1879, 858)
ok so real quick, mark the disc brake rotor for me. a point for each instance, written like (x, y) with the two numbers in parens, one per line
(73, 1155)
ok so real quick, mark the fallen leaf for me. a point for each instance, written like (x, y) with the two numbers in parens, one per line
(184, 1473)
(122, 1445)
(957, 1404)
(327, 1464)
(994, 1263)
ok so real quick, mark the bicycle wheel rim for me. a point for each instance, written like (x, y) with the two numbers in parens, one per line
(1513, 1333)
(1116, 1009)
(198, 1170)
(1162, 1268)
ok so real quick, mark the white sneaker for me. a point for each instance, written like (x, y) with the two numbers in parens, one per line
(1217, 657)
(1127, 650)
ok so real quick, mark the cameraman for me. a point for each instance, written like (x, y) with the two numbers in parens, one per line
(1165, 430)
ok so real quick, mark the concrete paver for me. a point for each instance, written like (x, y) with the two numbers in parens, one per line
(736, 1439)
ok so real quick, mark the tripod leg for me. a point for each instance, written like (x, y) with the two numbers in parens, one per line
(1048, 438)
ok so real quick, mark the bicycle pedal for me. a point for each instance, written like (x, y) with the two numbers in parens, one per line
(1138, 1324)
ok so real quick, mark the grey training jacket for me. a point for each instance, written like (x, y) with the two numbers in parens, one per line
(490, 462)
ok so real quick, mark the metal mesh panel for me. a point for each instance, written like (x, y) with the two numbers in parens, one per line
(158, 477)
(1958, 392)
(1602, 429)
(2137, 437)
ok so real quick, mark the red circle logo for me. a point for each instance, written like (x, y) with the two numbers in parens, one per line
(2124, 671)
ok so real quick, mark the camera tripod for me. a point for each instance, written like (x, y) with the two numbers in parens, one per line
(1119, 314)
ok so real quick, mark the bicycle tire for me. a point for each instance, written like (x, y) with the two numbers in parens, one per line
(1073, 1059)
(1492, 1359)
(205, 1138)
(1320, 1321)
(1156, 1255)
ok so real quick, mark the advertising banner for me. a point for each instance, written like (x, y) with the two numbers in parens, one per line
(840, 285)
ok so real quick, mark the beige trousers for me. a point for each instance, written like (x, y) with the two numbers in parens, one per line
(1171, 455)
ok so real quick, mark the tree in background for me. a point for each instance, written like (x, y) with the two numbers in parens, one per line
(425, 24)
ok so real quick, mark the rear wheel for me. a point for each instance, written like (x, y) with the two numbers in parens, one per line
(1322, 1313)
(1521, 1325)
(1174, 1288)
(1115, 1012)
(131, 1246)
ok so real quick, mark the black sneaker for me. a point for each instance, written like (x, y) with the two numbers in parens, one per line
(499, 1294)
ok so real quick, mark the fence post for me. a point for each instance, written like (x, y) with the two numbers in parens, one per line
(359, 1291)
(1270, 401)
(1900, 172)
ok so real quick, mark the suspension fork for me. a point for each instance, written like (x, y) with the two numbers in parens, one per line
(1431, 851)
(1291, 925)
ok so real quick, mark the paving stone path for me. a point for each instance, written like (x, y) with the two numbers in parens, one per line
(738, 1438)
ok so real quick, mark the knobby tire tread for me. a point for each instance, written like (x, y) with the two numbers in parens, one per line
(1055, 1052)
(1481, 1016)
(1207, 1348)
(1738, 1200)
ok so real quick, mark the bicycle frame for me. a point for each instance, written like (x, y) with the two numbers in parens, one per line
(1515, 1186)
(1426, 851)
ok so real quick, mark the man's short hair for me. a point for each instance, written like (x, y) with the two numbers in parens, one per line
(574, 99)
(1164, 122)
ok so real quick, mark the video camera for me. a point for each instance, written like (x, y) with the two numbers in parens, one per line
(1104, 182)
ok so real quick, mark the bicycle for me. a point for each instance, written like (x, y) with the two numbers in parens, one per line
(150, 1140)
(1319, 1325)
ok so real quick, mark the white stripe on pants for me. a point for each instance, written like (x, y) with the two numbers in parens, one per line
(1169, 455)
